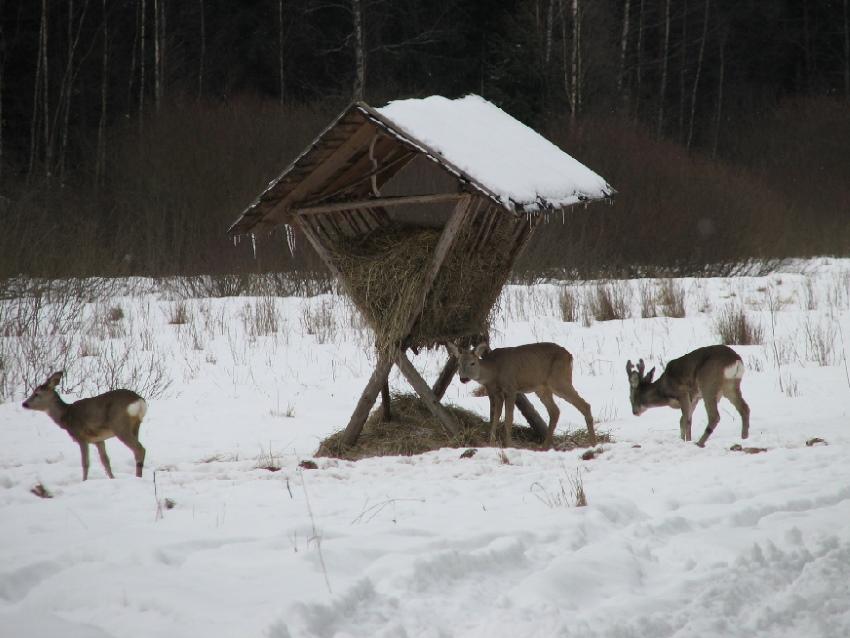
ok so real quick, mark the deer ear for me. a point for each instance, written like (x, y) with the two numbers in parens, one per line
(648, 377)
(54, 379)
(629, 367)
(481, 349)
(452, 348)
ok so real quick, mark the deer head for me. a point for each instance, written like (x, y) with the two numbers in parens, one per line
(638, 384)
(44, 396)
(469, 361)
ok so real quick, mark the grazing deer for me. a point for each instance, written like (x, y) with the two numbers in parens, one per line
(116, 413)
(706, 373)
(542, 368)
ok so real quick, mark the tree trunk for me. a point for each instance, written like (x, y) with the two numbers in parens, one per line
(100, 166)
(36, 92)
(639, 62)
(720, 79)
(157, 60)
(682, 71)
(846, 53)
(574, 85)
(203, 54)
(280, 48)
(359, 52)
(550, 18)
(564, 55)
(142, 72)
(662, 89)
(624, 47)
(698, 72)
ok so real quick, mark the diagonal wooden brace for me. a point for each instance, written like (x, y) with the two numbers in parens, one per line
(431, 401)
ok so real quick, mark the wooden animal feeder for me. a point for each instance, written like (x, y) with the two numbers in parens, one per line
(424, 260)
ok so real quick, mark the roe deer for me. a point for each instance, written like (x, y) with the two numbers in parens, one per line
(116, 413)
(706, 373)
(542, 368)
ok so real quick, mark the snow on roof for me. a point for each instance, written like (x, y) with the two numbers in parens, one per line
(521, 167)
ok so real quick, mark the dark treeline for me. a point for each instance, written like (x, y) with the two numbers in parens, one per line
(132, 132)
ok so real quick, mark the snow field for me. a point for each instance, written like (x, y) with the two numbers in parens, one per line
(675, 540)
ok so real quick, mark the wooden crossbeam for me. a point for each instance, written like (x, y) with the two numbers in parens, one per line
(540, 427)
(400, 200)
(367, 400)
(445, 378)
(431, 401)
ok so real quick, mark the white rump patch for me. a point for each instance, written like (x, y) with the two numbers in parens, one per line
(735, 371)
(138, 408)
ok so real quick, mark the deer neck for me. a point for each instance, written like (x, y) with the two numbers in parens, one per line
(653, 395)
(58, 411)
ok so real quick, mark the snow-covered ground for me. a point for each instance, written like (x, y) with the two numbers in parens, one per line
(675, 540)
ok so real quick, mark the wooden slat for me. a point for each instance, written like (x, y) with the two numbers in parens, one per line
(540, 427)
(421, 387)
(444, 380)
(323, 172)
(366, 401)
(401, 200)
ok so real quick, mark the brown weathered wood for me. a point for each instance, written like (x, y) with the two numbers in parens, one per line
(380, 201)
(385, 401)
(318, 246)
(445, 378)
(367, 400)
(531, 415)
(421, 387)
(323, 172)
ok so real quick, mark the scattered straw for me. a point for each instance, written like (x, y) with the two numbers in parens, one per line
(413, 430)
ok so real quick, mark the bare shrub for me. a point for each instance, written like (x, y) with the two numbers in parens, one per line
(261, 318)
(648, 300)
(179, 313)
(671, 298)
(820, 342)
(607, 302)
(320, 322)
(568, 304)
(734, 328)
(568, 493)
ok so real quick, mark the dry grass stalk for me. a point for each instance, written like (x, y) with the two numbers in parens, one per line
(734, 328)
(671, 297)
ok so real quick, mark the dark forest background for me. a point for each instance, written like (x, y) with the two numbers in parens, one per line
(133, 132)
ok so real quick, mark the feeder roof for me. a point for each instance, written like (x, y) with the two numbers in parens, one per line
(522, 168)
(486, 150)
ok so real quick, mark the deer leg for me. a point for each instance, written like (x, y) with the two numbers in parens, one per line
(509, 416)
(736, 399)
(713, 418)
(132, 442)
(84, 457)
(687, 412)
(573, 398)
(496, 401)
(104, 460)
(554, 412)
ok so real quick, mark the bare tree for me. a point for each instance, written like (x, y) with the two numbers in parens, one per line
(575, 88)
(624, 46)
(665, 51)
(720, 79)
(639, 61)
(203, 54)
(547, 50)
(100, 164)
(280, 48)
(846, 52)
(698, 71)
(359, 51)
(157, 55)
(142, 10)
(683, 67)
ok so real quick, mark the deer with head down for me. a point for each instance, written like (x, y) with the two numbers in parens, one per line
(117, 413)
(707, 373)
(543, 368)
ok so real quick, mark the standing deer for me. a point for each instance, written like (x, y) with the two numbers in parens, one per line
(116, 413)
(706, 373)
(542, 368)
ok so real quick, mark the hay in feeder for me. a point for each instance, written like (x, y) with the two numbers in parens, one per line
(414, 430)
(384, 272)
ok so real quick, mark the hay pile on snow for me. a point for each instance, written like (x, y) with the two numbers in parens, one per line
(414, 430)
